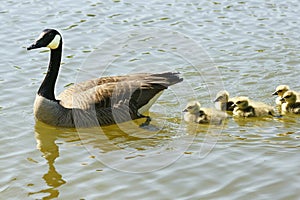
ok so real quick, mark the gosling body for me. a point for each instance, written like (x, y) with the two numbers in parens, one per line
(243, 107)
(197, 114)
(290, 104)
(226, 103)
(279, 91)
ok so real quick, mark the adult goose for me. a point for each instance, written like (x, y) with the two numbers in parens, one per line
(101, 101)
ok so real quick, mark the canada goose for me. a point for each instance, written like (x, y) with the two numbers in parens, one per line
(290, 103)
(243, 107)
(225, 102)
(101, 101)
(195, 113)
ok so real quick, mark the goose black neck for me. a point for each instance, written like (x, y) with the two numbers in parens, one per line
(47, 87)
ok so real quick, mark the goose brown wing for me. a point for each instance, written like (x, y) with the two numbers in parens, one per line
(152, 85)
(135, 92)
(138, 88)
(86, 85)
(86, 88)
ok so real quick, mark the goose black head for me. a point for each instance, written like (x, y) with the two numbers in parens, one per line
(50, 38)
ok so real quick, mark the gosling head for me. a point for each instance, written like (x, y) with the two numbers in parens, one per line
(242, 102)
(280, 90)
(50, 38)
(289, 97)
(192, 107)
(222, 96)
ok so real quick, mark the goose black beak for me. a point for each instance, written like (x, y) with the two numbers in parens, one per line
(33, 46)
(185, 110)
(275, 93)
(37, 44)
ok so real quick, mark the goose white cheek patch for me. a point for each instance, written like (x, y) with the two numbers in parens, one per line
(55, 42)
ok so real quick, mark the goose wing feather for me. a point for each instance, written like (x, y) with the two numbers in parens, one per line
(138, 88)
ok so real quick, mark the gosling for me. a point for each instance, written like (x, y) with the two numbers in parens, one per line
(243, 107)
(194, 113)
(280, 90)
(290, 103)
(224, 100)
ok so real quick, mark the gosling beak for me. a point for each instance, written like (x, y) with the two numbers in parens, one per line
(275, 93)
(185, 110)
(282, 100)
(217, 99)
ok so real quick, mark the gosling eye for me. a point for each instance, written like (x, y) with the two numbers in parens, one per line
(238, 102)
(288, 96)
(189, 107)
(279, 90)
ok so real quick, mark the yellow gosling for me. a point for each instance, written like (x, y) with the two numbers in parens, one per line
(194, 113)
(224, 101)
(243, 107)
(290, 103)
(280, 90)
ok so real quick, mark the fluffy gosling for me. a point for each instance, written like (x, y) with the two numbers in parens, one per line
(194, 113)
(243, 107)
(279, 91)
(225, 102)
(290, 103)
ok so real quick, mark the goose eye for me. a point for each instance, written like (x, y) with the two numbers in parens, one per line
(189, 107)
(238, 102)
(279, 90)
(288, 96)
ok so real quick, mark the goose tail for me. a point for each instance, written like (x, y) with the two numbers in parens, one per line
(166, 78)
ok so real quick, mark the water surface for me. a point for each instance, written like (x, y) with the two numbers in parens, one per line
(247, 48)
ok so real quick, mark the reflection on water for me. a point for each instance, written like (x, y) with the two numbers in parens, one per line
(46, 137)
(126, 147)
(126, 151)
